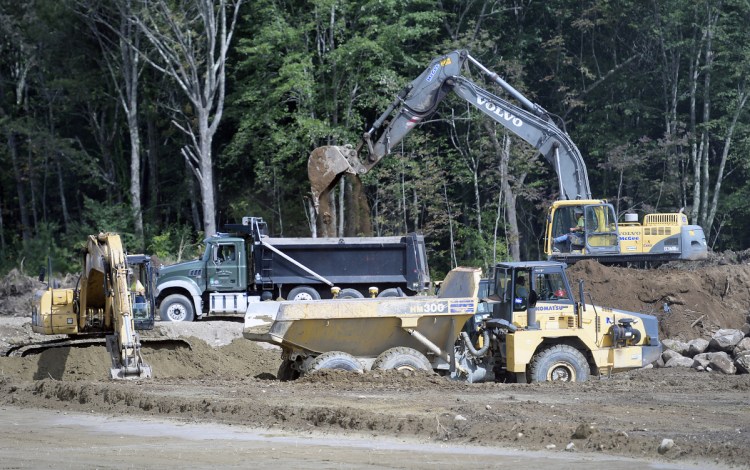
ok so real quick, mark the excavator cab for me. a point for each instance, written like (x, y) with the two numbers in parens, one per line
(598, 233)
(140, 276)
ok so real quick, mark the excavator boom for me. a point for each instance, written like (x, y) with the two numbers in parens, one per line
(421, 97)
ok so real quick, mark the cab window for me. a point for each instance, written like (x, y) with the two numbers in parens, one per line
(550, 286)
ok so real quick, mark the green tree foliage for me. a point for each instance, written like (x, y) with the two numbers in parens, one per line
(654, 94)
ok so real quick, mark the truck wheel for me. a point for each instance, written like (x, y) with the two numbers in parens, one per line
(350, 293)
(561, 363)
(303, 293)
(335, 360)
(402, 359)
(392, 292)
(287, 372)
(176, 307)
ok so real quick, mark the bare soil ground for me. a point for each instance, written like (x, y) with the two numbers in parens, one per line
(223, 378)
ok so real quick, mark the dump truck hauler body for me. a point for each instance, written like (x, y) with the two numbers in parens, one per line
(533, 332)
(236, 272)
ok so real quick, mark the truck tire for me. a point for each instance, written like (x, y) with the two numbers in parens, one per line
(287, 372)
(559, 363)
(337, 360)
(392, 292)
(176, 308)
(350, 293)
(303, 293)
(402, 359)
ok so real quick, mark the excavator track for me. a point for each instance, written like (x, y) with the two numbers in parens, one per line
(38, 347)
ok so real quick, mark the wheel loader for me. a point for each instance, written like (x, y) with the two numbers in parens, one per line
(528, 328)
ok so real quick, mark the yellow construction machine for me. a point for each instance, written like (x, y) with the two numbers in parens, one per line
(661, 237)
(113, 299)
(528, 328)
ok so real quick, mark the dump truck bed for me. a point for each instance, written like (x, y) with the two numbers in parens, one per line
(367, 327)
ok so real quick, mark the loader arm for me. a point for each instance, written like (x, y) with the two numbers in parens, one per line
(421, 97)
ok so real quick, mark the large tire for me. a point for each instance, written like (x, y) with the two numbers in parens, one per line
(335, 360)
(176, 308)
(392, 292)
(287, 372)
(402, 359)
(303, 293)
(561, 363)
(350, 293)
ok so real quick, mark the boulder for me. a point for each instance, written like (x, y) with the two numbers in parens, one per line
(696, 346)
(701, 361)
(723, 363)
(659, 362)
(679, 361)
(742, 362)
(746, 329)
(669, 354)
(741, 347)
(680, 347)
(665, 446)
(585, 430)
(725, 340)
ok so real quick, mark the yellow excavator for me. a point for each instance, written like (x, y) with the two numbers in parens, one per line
(661, 237)
(113, 299)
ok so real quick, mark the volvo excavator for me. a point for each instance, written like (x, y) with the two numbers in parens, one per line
(661, 237)
(112, 300)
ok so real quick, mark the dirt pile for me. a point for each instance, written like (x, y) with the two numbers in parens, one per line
(235, 361)
(691, 302)
(17, 291)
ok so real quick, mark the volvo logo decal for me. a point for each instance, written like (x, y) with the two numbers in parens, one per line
(497, 110)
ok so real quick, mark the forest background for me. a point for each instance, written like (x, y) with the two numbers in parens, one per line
(165, 119)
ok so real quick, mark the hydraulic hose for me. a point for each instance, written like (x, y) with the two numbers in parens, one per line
(472, 350)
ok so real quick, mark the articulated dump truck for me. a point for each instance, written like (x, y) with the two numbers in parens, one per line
(528, 328)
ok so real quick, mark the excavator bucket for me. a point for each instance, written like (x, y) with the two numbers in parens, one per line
(325, 167)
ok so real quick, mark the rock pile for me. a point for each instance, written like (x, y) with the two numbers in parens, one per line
(728, 352)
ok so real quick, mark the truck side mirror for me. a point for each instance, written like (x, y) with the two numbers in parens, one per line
(42, 273)
(533, 297)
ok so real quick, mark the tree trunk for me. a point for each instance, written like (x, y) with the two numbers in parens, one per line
(191, 46)
(510, 202)
(742, 101)
(61, 188)
(207, 174)
(502, 151)
(23, 209)
(152, 157)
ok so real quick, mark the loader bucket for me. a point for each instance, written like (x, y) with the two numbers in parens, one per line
(325, 167)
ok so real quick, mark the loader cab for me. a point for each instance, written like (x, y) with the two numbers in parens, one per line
(599, 235)
(516, 287)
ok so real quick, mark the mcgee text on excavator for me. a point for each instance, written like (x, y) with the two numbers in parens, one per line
(661, 237)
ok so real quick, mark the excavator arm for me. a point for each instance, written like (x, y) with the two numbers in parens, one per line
(101, 304)
(421, 97)
(104, 285)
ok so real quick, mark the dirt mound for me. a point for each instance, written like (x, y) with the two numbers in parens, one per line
(17, 291)
(689, 302)
(240, 359)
